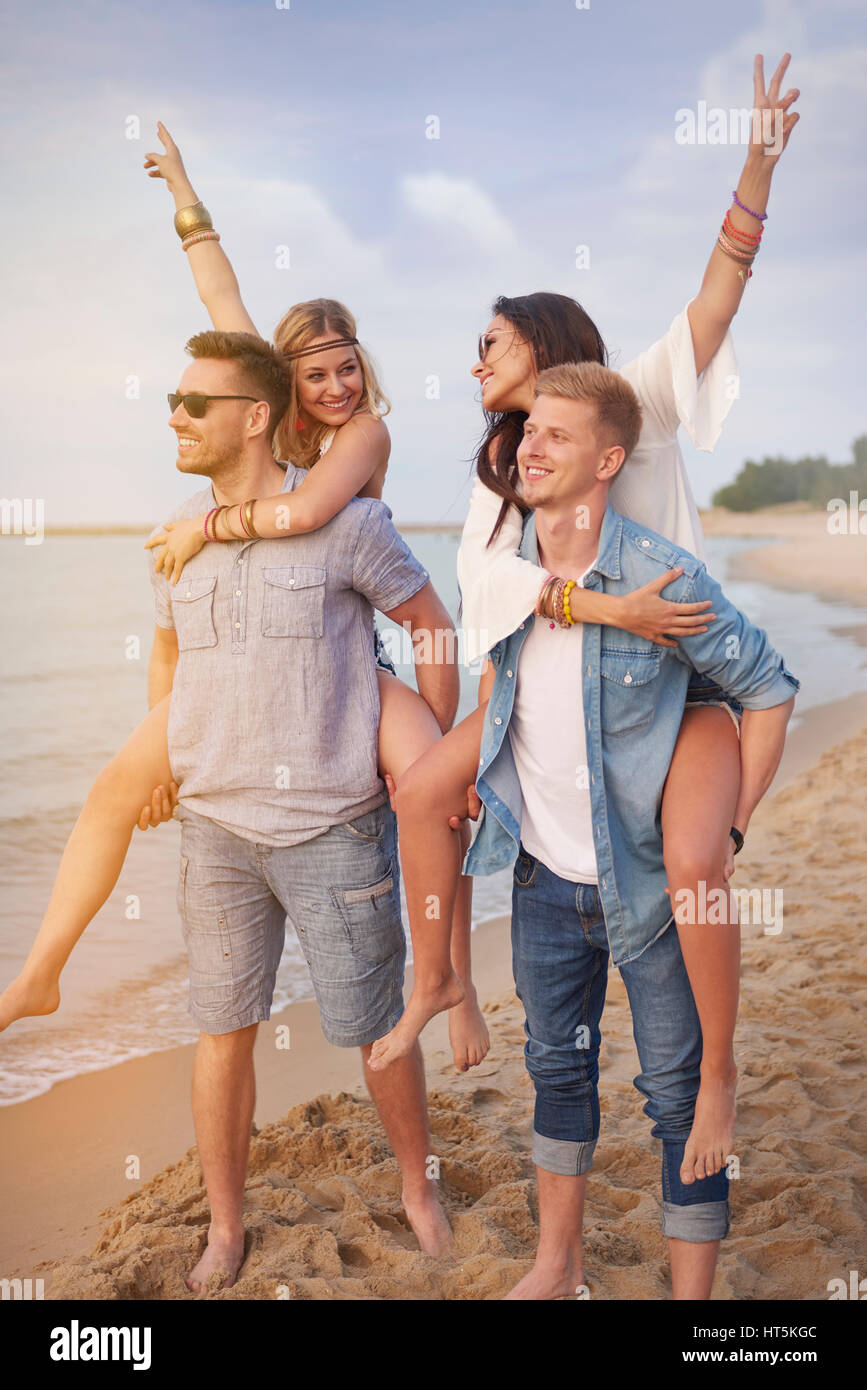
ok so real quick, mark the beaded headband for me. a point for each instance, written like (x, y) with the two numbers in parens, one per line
(321, 347)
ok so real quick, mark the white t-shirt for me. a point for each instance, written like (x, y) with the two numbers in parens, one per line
(499, 588)
(546, 732)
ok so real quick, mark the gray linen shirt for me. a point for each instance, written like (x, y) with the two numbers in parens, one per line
(274, 716)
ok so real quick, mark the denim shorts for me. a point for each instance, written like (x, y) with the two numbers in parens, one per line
(560, 956)
(380, 656)
(703, 691)
(340, 892)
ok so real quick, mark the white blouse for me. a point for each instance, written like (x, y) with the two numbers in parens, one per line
(499, 588)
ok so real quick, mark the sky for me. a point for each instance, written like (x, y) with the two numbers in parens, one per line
(305, 126)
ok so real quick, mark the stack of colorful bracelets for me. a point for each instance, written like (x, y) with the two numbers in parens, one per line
(194, 224)
(742, 247)
(557, 591)
(245, 520)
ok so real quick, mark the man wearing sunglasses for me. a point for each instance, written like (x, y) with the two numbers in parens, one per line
(267, 649)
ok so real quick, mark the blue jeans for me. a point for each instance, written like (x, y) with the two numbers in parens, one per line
(560, 960)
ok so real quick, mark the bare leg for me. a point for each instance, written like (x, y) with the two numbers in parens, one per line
(224, 1095)
(559, 1267)
(468, 1032)
(697, 808)
(399, 1096)
(91, 863)
(692, 1265)
(431, 790)
(407, 730)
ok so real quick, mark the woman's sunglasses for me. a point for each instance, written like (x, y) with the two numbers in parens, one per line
(488, 341)
(195, 404)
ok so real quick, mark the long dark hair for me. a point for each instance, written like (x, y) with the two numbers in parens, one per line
(558, 330)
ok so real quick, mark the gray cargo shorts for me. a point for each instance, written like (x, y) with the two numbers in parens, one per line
(340, 892)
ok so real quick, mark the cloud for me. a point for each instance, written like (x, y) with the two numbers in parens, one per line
(460, 204)
(98, 291)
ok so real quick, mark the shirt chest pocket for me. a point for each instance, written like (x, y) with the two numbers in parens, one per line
(193, 612)
(293, 602)
(629, 690)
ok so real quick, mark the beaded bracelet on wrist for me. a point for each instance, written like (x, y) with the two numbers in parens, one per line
(211, 522)
(745, 253)
(733, 255)
(759, 216)
(567, 607)
(195, 237)
(748, 238)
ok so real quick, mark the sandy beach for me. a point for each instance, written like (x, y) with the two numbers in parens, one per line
(322, 1197)
(803, 553)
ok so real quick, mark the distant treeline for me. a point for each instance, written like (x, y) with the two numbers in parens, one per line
(812, 480)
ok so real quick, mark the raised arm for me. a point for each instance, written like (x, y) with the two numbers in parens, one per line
(725, 278)
(212, 271)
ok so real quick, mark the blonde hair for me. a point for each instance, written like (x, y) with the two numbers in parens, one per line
(298, 328)
(618, 413)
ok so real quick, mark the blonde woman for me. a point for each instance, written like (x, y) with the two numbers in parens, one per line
(334, 427)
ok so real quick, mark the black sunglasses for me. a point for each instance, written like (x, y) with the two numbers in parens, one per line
(195, 404)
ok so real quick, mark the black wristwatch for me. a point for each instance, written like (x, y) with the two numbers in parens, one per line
(738, 839)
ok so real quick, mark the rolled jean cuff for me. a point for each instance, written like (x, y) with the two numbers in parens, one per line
(568, 1157)
(701, 1222)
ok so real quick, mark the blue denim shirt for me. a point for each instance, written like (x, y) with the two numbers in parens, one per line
(634, 692)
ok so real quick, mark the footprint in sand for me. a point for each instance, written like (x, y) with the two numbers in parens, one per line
(486, 1098)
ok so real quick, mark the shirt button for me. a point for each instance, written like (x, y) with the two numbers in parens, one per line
(237, 625)
(508, 673)
(291, 581)
(645, 542)
(189, 593)
(521, 627)
(627, 679)
(498, 720)
(237, 593)
(604, 884)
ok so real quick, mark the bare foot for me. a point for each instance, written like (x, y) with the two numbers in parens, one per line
(423, 1004)
(545, 1282)
(429, 1221)
(222, 1255)
(26, 998)
(468, 1033)
(712, 1134)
